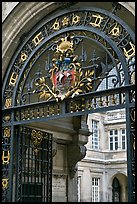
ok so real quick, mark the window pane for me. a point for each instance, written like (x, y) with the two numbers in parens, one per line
(95, 135)
(116, 132)
(116, 145)
(116, 138)
(123, 131)
(123, 142)
(123, 145)
(111, 146)
(111, 132)
(95, 189)
(111, 139)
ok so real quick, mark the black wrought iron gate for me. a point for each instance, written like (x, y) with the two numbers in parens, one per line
(56, 72)
(33, 166)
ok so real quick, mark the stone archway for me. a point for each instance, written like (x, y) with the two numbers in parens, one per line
(20, 37)
(122, 179)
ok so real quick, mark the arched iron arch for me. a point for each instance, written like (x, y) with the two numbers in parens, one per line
(108, 14)
(124, 52)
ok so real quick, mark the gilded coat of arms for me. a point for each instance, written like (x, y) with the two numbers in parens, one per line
(66, 74)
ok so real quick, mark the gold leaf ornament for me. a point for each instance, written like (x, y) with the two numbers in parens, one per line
(82, 84)
(42, 80)
(65, 45)
(89, 79)
(79, 91)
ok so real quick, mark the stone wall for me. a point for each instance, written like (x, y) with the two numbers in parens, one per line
(7, 7)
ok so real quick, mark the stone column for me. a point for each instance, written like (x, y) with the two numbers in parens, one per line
(76, 151)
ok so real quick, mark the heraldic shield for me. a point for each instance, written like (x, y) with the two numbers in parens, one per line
(66, 74)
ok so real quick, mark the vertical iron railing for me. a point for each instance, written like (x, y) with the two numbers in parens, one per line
(130, 130)
(33, 167)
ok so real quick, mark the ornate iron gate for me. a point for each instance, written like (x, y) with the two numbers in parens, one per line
(33, 166)
(56, 72)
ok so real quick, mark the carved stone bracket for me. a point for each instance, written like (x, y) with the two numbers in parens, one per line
(76, 152)
(81, 128)
(54, 148)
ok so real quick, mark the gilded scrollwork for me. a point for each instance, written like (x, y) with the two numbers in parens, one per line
(129, 52)
(115, 31)
(7, 131)
(38, 38)
(5, 157)
(36, 137)
(8, 102)
(13, 79)
(5, 182)
(97, 20)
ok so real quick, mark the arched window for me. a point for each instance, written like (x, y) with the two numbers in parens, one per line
(116, 190)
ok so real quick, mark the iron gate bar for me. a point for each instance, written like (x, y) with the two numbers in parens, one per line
(11, 153)
(27, 161)
(63, 104)
(97, 110)
(65, 113)
(69, 114)
(130, 151)
(86, 95)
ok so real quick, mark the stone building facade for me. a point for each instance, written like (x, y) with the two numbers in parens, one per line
(106, 159)
(71, 135)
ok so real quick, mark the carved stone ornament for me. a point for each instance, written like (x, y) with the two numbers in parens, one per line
(54, 148)
(75, 154)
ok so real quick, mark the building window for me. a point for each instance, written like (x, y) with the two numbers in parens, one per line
(123, 138)
(95, 189)
(95, 135)
(117, 139)
(113, 138)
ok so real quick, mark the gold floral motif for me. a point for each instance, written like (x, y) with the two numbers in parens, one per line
(115, 31)
(64, 46)
(38, 38)
(5, 158)
(13, 79)
(131, 52)
(65, 21)
(97, 22)
(7, 132)
(36, 137)
(5, 183)
(75, 19)
(56, 25)
(23, 57)
(8, 103)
